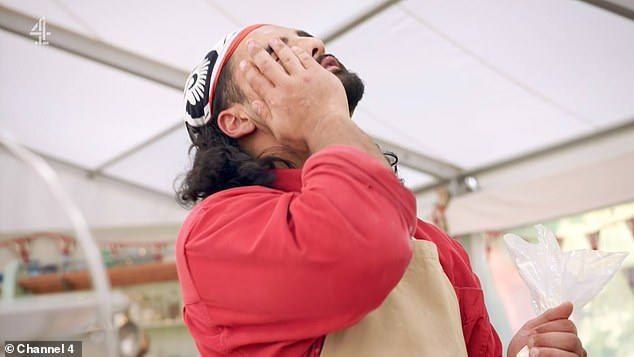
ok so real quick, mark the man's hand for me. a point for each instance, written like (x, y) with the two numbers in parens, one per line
(550, 334)
(300, 97)
(302, 104)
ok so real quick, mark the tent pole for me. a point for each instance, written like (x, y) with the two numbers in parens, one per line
(95, 50)
(624, 126)
(345, 28)
(612, 7)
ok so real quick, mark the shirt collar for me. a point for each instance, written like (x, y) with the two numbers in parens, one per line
(288, 179)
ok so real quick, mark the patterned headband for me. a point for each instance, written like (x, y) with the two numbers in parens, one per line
(201, 83)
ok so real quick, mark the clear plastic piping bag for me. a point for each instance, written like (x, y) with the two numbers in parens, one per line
(554, 277)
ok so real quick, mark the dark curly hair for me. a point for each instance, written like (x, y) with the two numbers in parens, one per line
(219, 162)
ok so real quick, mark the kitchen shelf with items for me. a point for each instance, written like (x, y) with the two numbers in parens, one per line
(155, 305)
(127, 263)
(80, 280)
(142, 275)
(156, 309)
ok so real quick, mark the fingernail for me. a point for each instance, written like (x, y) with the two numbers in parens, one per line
(527, 332)
(534, 352)
(256, 106)
(274, 42)
(250, 44)
(243, 64)
(531, 341)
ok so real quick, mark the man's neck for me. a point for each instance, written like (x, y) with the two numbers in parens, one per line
(295, 159)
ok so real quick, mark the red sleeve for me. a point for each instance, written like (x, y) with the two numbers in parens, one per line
(274, 265)
(480, 336)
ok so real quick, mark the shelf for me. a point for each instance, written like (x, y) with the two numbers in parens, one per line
(33, 317)
(118, 276)
(152, 325)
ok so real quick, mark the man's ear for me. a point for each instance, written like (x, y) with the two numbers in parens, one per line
(235, 123)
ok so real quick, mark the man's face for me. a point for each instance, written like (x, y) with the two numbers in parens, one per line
(353, 85)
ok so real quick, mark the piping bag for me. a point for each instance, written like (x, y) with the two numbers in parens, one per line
(554, 277)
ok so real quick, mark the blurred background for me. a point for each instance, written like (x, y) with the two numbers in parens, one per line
(504, 114)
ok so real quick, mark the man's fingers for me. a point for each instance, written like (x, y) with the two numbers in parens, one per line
(562, 311)
(557, 340)
(262, 111)
(260, 84)
(551, 352)
(265, 63)
(561, 325)
(306, 59)
(551, 333)
(288, 59)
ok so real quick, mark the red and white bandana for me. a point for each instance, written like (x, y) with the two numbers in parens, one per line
(201, 83)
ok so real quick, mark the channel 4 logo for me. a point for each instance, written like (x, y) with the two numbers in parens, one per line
(39, 31)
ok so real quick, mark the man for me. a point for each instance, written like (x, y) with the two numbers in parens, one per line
(300, 229)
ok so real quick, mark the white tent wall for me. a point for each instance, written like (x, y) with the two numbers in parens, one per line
(28, 206)
(595, 174)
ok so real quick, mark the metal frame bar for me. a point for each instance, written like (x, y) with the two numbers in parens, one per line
(570, 144)
(95, 50)
(347, 27)
(90, 173)
(612, 7)
(439, 169)
(136, 148)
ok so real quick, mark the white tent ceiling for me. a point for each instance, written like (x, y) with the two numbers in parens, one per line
(454, 86)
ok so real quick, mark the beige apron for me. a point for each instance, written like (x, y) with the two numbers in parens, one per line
(420, 317)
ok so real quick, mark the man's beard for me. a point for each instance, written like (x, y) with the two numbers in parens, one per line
(353, 85)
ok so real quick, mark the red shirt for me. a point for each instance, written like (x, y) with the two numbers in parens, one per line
(270, 271)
